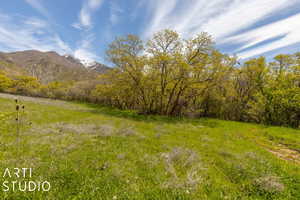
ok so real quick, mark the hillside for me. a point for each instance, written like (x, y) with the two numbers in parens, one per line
(48, 66)
(91, 152)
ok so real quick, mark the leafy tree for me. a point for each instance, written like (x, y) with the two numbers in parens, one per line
(169, 75)
(26, 85)
(5, 82)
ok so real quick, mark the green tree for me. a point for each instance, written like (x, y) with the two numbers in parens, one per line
(5, 82)
(26, 85)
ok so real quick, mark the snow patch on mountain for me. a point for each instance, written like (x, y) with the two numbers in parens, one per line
(84, 62)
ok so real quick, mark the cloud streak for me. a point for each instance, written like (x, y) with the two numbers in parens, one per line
(84, 51)
(85, 14)
(35, 34)
(115, 12)
(36, 4)
(228, 21)
(242, 14)
(288, 30)
(245, 27)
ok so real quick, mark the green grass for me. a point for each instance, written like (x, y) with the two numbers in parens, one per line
(91, 152)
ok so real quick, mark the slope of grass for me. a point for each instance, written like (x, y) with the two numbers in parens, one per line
(94, 152)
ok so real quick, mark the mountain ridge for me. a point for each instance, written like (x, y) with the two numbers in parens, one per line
(49, 66)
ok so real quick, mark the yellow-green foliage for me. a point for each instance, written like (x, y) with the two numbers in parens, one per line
(5, 82)
(169, 75)
(190, 77)
(55, 90)
(26, 85)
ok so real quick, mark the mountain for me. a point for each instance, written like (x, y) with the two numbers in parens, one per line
(100, 68)
(49, 66)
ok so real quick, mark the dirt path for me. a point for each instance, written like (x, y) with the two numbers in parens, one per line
(285, 153)
(60, 103)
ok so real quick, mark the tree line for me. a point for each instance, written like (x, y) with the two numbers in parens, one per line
(169, 75)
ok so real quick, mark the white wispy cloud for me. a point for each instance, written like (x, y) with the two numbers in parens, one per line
(35, 22)
(32, 33)
(248, 26)
(223, 19)
(241, 14)
(160, 11)
(85, 14)
(86, 56)
(218, 17)
(19, 33)
(38, 33)
(85, 51)
(287, 30)
(115, 12)
(22, 33)
(36, 4)
(65, 48)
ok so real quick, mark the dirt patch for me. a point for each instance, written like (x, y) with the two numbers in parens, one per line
(269, 184)
(184, 169)
(285, 153)
(46, 101)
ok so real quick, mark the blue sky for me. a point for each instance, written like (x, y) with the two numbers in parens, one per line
(84, 28)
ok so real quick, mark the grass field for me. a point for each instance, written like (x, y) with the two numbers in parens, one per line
(92, 152)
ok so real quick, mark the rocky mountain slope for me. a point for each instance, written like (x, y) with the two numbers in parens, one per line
(48, 66)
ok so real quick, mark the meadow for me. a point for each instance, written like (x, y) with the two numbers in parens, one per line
(88, 151)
